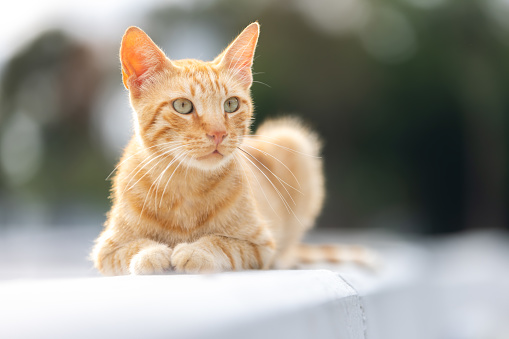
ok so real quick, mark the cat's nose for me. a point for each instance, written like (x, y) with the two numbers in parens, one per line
(217, 136)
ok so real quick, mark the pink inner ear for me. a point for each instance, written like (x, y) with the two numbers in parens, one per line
(238, 57)
(138, 54)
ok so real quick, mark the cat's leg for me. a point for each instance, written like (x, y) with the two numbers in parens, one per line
(214, 253)
(140, 256)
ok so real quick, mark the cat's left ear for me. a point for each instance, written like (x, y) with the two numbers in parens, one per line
(238, 57)
(140, 58)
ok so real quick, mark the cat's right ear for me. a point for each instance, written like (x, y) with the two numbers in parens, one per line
(238, 57)
(140, 58)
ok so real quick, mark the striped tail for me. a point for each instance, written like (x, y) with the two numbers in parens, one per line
(337, 254)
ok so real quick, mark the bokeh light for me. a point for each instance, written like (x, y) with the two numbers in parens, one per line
(408, 95)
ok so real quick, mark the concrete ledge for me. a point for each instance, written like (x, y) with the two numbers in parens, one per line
(258, 304)
(427, 288)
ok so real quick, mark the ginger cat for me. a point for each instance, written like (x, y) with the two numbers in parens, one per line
(195, 191)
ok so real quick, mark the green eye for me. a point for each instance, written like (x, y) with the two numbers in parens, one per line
(183, 106)
(231, 105)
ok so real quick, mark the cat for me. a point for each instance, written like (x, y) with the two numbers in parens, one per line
(195, 191)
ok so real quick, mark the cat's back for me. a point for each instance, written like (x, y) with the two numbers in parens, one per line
(288, 175)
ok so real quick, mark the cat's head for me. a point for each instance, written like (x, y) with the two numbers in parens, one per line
(198, 111)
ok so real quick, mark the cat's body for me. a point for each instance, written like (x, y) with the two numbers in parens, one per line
(194, 191)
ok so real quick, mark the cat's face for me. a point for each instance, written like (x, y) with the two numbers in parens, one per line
(198, 111)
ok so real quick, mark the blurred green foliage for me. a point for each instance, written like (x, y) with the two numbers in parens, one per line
(409, 96)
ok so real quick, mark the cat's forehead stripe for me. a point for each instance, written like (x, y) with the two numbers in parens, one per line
(207, 80)
(225, 89)
(202, 86)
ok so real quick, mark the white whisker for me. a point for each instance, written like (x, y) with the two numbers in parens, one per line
(152, 158)
(238, 164)
(259, 82)
(171, 176)
(270, 155)
(288, 207)
(159, 178)
(270, 181)
(142, 150)
(284, 147)
(261, 189)
(281, 181)
(277, 178)
(167, 152)
(148, 192)
(143, 163)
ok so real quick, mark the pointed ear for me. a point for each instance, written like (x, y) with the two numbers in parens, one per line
(238, 57)
(140, 57)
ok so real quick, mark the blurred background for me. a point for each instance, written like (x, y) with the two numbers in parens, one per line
(410, 96)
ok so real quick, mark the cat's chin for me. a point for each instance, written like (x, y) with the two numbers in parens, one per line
(211, 161)
(214, 156)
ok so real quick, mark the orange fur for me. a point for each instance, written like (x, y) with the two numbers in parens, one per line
(184, 199)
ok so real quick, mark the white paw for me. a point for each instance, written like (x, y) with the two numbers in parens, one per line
(195, 258)
(151, 260)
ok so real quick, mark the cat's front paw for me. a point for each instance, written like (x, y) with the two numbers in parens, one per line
(196, 258)
(151, 260)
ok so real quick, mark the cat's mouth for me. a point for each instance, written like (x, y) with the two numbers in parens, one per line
(214, 155)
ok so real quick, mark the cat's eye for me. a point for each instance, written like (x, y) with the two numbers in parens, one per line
(231, 105)
(183, 106)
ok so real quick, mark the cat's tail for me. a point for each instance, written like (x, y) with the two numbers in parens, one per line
(306, 254)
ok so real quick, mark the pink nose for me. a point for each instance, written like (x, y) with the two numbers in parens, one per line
(217, 136)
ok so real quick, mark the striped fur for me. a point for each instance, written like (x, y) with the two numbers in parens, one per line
(335, 254)
(177, 203)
